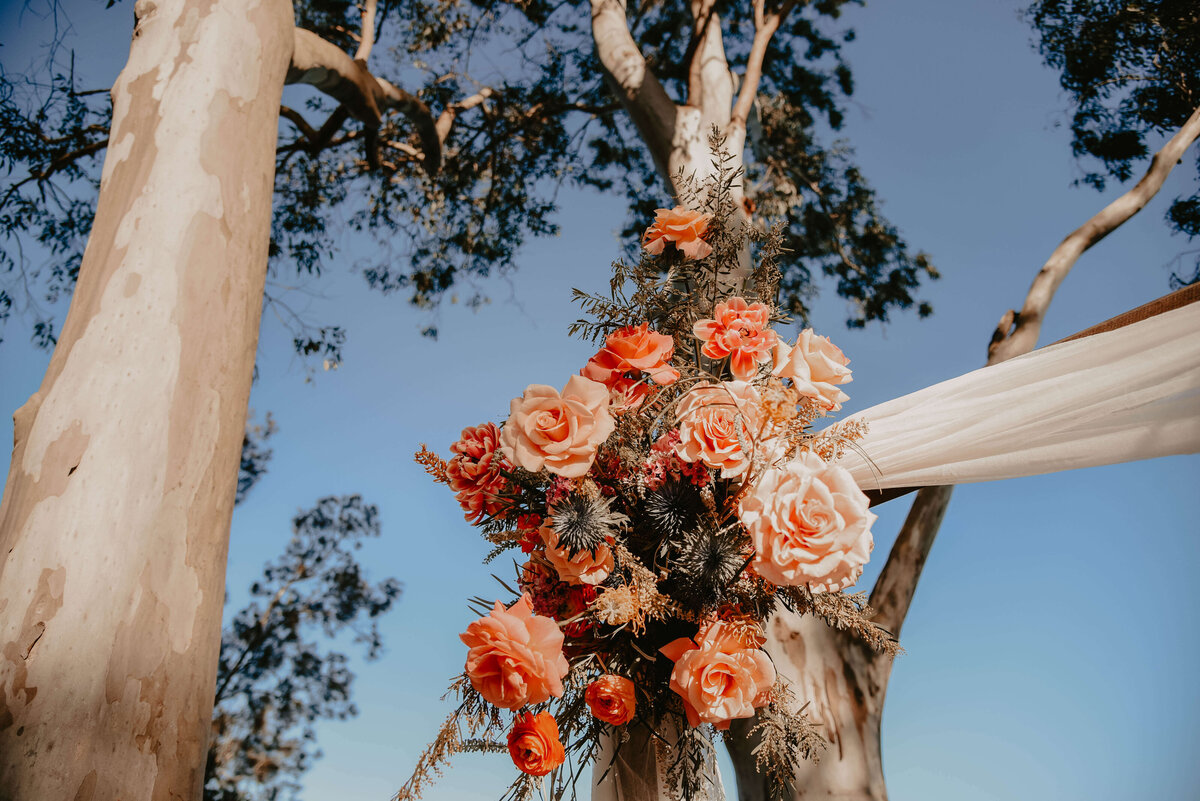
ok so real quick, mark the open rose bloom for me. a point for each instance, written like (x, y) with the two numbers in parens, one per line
(515, 657)
(683, 228)
(816, 367)
(810, 525)
(558, 431)
(719, 674)
(738, 330)
(665, 502)
(631, 357)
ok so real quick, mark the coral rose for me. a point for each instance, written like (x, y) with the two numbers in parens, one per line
(720, 675)
(558, 432)
(533, 744)
(810, 525)
(515, 656)
(628, 354)
(738, 330)
(585, 567)
(816, 366)
(685, 228)
(475, 471)
(714, 422)
(611, 699)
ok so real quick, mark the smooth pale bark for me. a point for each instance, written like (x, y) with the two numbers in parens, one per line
(115, 519)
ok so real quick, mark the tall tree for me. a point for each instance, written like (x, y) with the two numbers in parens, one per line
(127, 455)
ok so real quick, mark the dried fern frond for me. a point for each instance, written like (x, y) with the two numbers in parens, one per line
(434, 465)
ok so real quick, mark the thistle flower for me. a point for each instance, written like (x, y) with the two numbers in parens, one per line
(706, 565)
(674, 508)
(584, 523)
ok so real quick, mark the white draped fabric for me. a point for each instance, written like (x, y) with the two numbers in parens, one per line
(1119, 396)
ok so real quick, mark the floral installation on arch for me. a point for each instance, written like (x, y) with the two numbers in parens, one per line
(661, 505)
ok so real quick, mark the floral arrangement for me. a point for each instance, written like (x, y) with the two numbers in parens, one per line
(665, 501)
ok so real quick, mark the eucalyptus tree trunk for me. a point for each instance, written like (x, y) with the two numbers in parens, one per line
(115, 519)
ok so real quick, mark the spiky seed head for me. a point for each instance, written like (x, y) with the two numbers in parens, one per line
(583, 523)
(706, 565)
(674, 509)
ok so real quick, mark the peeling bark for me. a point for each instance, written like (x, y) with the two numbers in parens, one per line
(115, 519)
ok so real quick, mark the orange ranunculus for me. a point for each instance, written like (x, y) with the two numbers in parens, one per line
(685, 228)
(738, 330)
(719, 674)
(515, 656)
(714, 421)
(611, 699)
(585, 567)
(817, 368)
(534, 745)
(810, 524)
(627, 355)
(559, 432)
(474, 472)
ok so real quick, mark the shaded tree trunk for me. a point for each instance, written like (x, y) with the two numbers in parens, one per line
(115, 520)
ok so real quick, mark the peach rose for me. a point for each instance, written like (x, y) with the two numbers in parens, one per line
(558, 432)
(681, 226)
(474, 472)
(611, 699)
(533, 744)
(627, 355)
(816, 366)
(584, 567)
(720, 675)
(810, 525)
(714, 421)
(515, 656)
(738, 330)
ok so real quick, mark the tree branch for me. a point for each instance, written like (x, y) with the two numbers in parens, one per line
(323, 65)
(639, 91)
(445, 120)
(765, 27)
(893, 592)
(1018, 332)
(367, 40)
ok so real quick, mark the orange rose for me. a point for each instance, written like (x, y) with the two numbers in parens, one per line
(611, 699)
(628, 353)
(714, 421)
(685, 228)
(474, 472)
(719, 675)
(810, 524)
(738, 330)
(558, 432)
(816, 366)
(585, 567)
(515, 656)
(534, 745)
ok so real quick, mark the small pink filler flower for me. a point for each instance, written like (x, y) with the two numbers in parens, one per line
(738, 330)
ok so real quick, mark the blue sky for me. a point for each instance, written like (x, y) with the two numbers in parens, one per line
(1050, 649)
